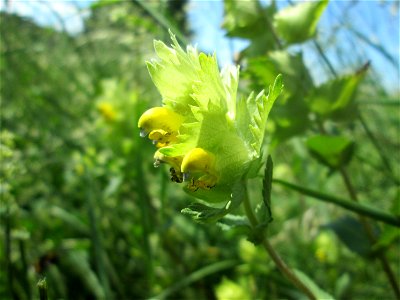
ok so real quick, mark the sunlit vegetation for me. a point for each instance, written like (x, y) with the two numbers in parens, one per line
(85, 215)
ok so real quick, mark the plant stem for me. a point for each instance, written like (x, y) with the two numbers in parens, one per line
(282, 266)
(161, 20)
(270, 26)
(324, 58)
(249, 211)
(42, 286)
(345, 203)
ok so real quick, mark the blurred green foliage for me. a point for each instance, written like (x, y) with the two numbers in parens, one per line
(82, 205)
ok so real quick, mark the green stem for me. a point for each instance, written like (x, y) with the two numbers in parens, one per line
(282, 266)
(249, 211)
(348, 204)
(324, 58)
(161, 20)
(270, 26)
(42, 286)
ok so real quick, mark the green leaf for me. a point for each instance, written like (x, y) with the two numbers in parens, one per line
(290, 119)
(206, 214)
(257, 234)
(335, 99)
(296, 77)
(395, 207)
(69, 220)
(238, 224)
(256, 112)
(387, 238)
(342, 285)
(314, 288)
(332, 151)
(267, 188)
(76, 263)
(189, 279)
(291, 112)
(351, 232)
(298, 23)
(239, 17)
(249, 20)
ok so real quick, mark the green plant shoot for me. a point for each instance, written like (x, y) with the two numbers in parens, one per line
(208, 136)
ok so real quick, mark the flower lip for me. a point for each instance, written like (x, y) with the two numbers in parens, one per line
(198, 160)
(157, 118)
(162, 138)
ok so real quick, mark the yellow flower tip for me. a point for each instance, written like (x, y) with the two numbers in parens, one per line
(107, 111)
(162, 138)
(198, 160)
(198, 166)
(159, 118)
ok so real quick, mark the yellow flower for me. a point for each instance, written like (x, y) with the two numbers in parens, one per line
(199, 165)
(107, 111)
(161, 124)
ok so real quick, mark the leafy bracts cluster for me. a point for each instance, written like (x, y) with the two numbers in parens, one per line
(208, 137)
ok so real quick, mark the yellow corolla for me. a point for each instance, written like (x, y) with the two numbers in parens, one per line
(198, 165)
(161, 124)
(159, 118)
(198, 160)
(107, 111)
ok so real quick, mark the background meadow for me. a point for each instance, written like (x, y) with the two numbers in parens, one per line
(83, 206)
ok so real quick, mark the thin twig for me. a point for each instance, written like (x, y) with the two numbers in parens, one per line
(282, 266)
(42, 286)
(345, 203)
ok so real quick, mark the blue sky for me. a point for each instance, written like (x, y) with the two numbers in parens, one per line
(378, 20)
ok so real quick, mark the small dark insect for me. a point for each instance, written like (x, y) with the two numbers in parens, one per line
(176, 176)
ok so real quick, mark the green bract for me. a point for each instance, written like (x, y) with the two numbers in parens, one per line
(210, 138)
